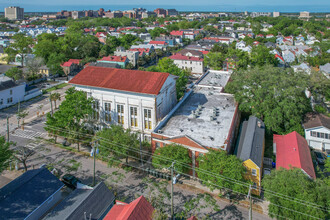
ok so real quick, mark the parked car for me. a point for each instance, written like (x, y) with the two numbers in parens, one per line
(319, 157)
(70, 180)
(327, 153)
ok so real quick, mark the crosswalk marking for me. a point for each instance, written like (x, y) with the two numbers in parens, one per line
(28, 134)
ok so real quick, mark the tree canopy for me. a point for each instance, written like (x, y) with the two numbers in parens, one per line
(297, 193)
(172, 152)
(71, 118)
(228, 168)
(275, 95)
(167, 65)
(21, 46)
(6, 154)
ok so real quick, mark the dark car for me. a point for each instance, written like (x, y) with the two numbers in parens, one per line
(70, 180)
(319, 157)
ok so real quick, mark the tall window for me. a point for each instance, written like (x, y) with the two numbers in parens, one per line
(120, 112)
(107, 110)
(147, 119)
(134, 118)
(96, 107)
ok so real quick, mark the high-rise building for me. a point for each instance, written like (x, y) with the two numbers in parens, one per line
(78, 14)
(160, 12)
(14, 13)
(276, 14)
(304, 14)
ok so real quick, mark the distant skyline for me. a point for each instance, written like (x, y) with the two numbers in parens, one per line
(183, 5)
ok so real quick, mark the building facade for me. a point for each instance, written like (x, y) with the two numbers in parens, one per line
(14, 13)
(133, 56)
(193, 64)
(134, 99)
(317, 131)
(10, 92)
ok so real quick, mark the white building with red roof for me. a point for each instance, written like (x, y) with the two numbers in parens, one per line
(292, 151)
(193, 64)
(135, 99)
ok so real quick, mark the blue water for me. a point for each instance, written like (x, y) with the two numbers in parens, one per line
(205, 7)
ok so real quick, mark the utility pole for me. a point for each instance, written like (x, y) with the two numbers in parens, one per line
(7, 128)
(172, 168)
(141, 152)
(250, 198)
(51, 104)
(94, 151)
(18, 110)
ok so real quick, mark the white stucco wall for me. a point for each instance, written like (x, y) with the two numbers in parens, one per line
(194, 66)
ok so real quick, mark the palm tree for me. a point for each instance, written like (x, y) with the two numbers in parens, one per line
(54, 97)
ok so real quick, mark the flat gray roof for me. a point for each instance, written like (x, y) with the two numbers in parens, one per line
(201, 128)
(217, 79)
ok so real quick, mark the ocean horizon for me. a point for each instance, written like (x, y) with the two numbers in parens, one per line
(199, 8)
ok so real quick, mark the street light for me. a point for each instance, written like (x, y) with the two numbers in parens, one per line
(93, 153)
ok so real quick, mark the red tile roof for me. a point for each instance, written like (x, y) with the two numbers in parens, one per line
(292, 151)
(182, 57)
(176, 33)
(139, 209)
(70, 62)
(114, 58)
(205, 52)
(121, 79)
(157, 42)
(146, 50)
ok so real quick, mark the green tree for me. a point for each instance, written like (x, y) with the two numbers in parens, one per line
(294, 191)
(214, 60)
(72, 115)
(54, 97)
(166, 65)
(15, 73)
(6, 154)
(164, 156)
(47, 44)
(260, 56)
(21, 47)
(227, 168)
(118, 142)
(275, 95)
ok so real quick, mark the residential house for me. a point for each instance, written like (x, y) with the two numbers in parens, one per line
(71, 67)
(205, 118)
(270, 45)
(292, 151)
(288, 56)
(269, 36)
(135, 99)
(10, 92)
(251, 149)
(177, 34)
(317, 131)
(325, 69)
(193, 64)
(191, 53)
(31, 195)
(158, 44)
(138, 209)
(132, 56)
(240, 45)
(303, 67)
(4, 42)
(147, 48)
(170, 40)
(121, 61)
(44, 70)
(3, 56)
(84, 203)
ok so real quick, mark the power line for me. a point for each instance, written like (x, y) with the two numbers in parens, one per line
(198, 169)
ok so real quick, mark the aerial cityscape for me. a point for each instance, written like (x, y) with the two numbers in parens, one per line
(180, 110)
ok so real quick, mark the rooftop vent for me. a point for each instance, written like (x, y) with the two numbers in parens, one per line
(181, 129)
(259, 124)
(160, 131)
(211, 138)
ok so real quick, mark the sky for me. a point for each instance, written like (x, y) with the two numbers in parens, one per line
(212, 5)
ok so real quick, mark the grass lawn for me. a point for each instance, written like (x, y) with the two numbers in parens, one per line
(60, 86)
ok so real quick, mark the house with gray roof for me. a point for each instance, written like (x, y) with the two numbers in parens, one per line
(30, 196)
(86, 203)
(325, 69)
(251, 149)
